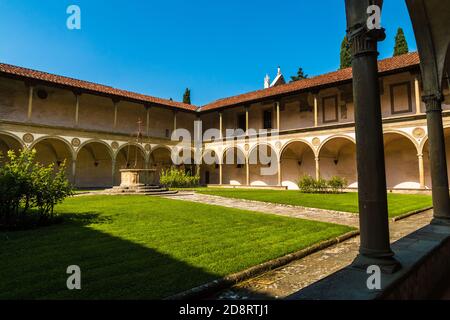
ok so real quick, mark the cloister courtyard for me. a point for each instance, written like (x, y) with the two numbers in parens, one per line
(156, 247)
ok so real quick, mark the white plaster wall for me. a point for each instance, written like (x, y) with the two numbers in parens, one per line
(87, 174)
(402, 167)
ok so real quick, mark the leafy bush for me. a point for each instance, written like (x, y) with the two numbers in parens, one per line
(307, 184)
(337, 184)
(178, 178)
(29, 191)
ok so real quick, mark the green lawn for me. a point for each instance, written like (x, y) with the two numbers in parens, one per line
(135, 247)
(347, 202)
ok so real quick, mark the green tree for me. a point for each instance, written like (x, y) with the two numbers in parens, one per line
(300, 75)
(346, 56)
(187, 96)
(401, 46)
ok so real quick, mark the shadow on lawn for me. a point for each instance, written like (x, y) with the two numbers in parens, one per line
(34, 264)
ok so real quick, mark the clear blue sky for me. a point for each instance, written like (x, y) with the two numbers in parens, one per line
(160, 47)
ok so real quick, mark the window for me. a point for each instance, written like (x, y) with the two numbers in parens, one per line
(267, 119)
(401, 101)
(241, 123)
(330, 109)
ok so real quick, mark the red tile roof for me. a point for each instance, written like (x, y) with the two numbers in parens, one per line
(90, 86)
(398, 63)
(384, 66)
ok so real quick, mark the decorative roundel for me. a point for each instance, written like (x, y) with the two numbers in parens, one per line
(316, 142)
(76, 142)
(278, 145)
(28, 138)
(115, 145)
(148, 147)
(246, 147)
(418, 133)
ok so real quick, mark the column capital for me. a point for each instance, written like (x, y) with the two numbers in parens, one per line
(363, 41)
(433, 102)
(420, 155)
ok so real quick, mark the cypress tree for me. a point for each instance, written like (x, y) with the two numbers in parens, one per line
(187, 96)
(401, 46)
(346, 56)
(300, 75)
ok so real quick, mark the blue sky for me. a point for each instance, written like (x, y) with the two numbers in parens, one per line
(216, 48)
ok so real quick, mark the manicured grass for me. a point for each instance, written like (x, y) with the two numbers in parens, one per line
(134, 247)
(347, 202)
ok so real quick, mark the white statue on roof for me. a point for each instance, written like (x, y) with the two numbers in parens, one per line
(279, 79)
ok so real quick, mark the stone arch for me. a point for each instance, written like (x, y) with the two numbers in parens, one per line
(297, 159)
(94, 165)
(401, 161)
(210, 171)
(9, 141)
(263, 165)
(129, 155)
(233, 161)
(337, 136)
(426, 156)
(160, 159)
(55, 150)
(337, 157)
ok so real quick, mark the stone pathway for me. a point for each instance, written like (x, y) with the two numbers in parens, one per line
(337, 217)
(287, 280)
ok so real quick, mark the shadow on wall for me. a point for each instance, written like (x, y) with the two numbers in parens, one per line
(111, 267)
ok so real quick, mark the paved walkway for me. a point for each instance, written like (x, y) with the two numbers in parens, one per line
(286, 280)
(296, 275)
(337, 217)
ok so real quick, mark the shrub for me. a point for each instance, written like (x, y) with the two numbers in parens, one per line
(320, 186)
(337, 184)
(178, 178)
(29, 191)
(307, 184)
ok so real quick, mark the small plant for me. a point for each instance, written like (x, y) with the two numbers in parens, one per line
(178, 178)
(337, 184)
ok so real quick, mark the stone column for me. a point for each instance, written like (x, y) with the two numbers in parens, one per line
(174, 120)
(30, 102)
(246, 120)
(438, 161)
(221, 124)
(77, 108)
(316, 111)
(220, 174)
(113, 167)
(147, 123)
(115, 102)
(317, 159)
(278, 114)
(247, 172)
(417, 94)
(421, 171)
(74, 172)
(375, 246)
(279, 174)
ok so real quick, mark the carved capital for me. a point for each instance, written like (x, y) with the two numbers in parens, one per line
(364, 42)
(433, 102)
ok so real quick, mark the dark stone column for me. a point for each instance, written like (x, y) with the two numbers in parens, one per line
(438, 161)
(373, 212)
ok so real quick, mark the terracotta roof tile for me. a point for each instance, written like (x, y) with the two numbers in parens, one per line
(384, 66)
(90, 86)
(387, 65)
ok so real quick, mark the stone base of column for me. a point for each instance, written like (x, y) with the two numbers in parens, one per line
(387, 264)
(439, 221)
